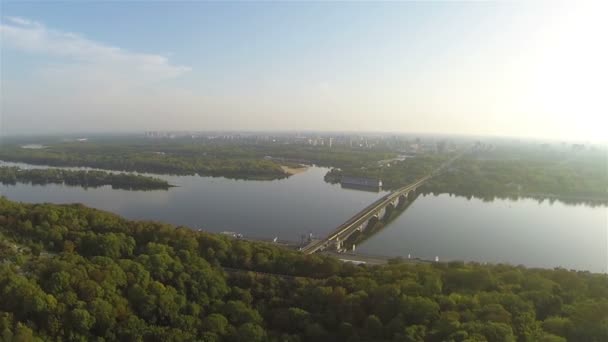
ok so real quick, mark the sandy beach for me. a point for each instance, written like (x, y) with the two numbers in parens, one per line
(294, 170)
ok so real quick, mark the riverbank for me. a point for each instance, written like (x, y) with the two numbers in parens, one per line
(61, 256)
(290, 170)
(182, 160)
(85, 178)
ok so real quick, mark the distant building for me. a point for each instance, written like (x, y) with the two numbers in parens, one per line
(362, 183)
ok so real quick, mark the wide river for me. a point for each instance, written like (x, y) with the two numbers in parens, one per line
(452, 228)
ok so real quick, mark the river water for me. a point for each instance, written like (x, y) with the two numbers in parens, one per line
(546, 234)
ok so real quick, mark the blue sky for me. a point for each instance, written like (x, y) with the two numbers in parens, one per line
(469, 68)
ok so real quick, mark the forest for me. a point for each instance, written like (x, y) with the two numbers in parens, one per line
(84, 178)
(150, 158)
(504, 171)
(396, 174)
(72, 273)
(528, 172)
(186, 157)
(487, 171)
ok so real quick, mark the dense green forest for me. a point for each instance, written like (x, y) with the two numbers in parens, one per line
(529, 172)
(488, 171)
(84, 178)
(149, 158)
(71, 273)
(506, 171)
(398, 174)
(188, 157)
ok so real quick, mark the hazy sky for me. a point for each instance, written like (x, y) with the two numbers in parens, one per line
(520, 69)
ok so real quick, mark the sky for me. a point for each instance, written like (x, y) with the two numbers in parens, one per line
(524, 69)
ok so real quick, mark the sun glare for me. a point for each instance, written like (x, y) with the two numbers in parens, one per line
(568, 70)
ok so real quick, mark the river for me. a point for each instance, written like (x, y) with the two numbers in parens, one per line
(546, 234)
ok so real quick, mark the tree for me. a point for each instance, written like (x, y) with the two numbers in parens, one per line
(414, 333)
(251, 332)
(81, 320)
(419, 310)
(373, 327)
(151, 282)
(215, 323)
(24, 334)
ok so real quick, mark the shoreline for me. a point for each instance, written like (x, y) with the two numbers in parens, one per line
(294, 170)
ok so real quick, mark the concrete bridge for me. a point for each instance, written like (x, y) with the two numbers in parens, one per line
(334, 241)
(360, 220)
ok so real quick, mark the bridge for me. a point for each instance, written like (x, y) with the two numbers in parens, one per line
(375, 210)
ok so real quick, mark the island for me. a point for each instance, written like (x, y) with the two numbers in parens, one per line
(83, 178)
(173, 158)
(234, 158)
(493, 169)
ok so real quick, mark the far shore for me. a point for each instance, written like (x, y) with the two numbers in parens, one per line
(294, 170)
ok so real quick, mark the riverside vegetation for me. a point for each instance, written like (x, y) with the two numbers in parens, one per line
(179, 159)
(503, 171)
(84, 178)
(487, 171)
(71, 273)
(187, 157)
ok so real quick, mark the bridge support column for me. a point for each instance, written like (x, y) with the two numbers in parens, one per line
(411, 194)
(402, 200)
(362, 226)
(381, 213)
(338, 244)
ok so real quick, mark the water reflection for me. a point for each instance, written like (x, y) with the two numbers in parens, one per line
(286, 208)
(525, 231)
(539, 234)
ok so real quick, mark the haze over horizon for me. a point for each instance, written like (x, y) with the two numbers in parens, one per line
(506, 69)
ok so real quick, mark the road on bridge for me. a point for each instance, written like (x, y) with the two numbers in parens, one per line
(362, 216)
(348, 227)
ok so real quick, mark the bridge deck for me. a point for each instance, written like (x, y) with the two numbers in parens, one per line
(366, 213)
(362, 216)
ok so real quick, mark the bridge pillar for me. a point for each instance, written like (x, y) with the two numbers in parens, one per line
(381, 213)
(402, 200)
(362, 226)
(411, 194)
(338, 244)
